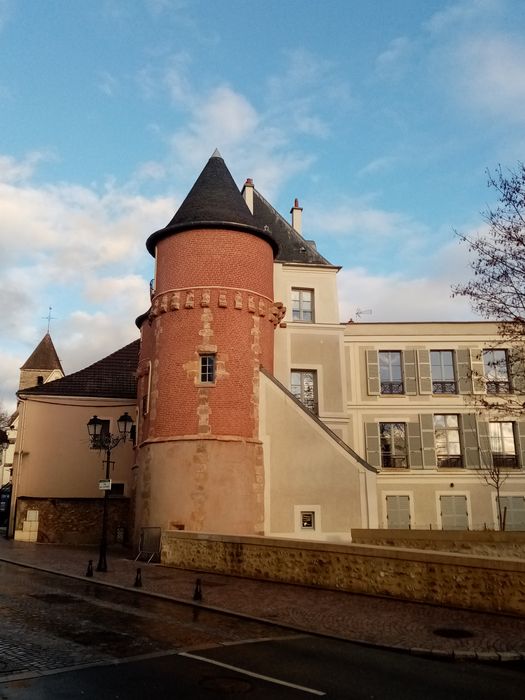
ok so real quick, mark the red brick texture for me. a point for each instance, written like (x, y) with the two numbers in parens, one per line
(214, 293)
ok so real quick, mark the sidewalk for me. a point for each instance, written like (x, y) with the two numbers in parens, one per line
(414, 627)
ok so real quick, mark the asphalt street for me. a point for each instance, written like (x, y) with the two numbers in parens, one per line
(65, 638)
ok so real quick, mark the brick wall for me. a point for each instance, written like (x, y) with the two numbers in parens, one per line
(455, 580)
(74, 520)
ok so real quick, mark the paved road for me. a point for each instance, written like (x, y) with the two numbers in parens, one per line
(63, 638)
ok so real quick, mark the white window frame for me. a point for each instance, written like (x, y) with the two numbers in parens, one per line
(300, 309)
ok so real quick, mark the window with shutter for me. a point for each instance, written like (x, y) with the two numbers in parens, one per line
(513, 509)
(454, 514)
(448, 447)
(393, 445)
(443, 372)
(390, 372)
(398, 512)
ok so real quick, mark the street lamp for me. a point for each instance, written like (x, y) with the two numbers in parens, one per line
(107, 441)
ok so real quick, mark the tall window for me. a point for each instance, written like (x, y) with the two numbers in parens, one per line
(502, 444)
(393, 444)
(390, 372)
(495, 363)
(304, 387)
(303, 305)
(207, 369)
(443, 376)
(448, 447)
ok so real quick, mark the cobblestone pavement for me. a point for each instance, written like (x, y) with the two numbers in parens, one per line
(416, 627)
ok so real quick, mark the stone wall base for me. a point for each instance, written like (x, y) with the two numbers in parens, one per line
(70, 520)
(484, 543)
(455, 580)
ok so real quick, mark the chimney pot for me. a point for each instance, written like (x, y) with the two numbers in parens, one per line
(247, 193)
(296, 211)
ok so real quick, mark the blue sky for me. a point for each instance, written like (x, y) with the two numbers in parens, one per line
(380, 116)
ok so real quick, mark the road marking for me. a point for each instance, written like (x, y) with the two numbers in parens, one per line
(252, 674)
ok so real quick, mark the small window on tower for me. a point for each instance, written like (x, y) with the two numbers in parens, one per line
(39, 380)
(207, 371)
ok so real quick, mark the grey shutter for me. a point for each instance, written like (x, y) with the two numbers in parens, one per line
(464, 371)
(478, 372)
(454, 515)
(410, 378)
(425, 373)
(515, 515)
(373, 445)
(372, 372)
(415, 458)
(398, 512)
(485, 453)
(517, 370)
(469, 440)
(520, 436)
(426, 422)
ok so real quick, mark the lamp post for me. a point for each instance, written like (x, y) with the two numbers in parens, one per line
(107, 441)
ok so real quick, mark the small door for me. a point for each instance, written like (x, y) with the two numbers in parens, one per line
(515, 514)
(454, 514)
(398, 512)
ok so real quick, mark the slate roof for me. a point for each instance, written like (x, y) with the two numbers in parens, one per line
(214, 201)
(112, 377)
(44, 356)
(293, 248)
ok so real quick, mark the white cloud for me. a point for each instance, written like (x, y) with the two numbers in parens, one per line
(491, 75)
(73, 248)
(12, 170)
(396, 297)
(107, 83)
(392, 62)
(464, 12)
(358, 217)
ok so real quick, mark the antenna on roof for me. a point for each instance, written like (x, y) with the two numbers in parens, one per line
(362, 312)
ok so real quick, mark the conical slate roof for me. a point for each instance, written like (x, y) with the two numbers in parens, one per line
(112, 377)
(214, 201)
(44, 356)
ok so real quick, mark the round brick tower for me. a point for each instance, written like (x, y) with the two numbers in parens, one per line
(209, 330)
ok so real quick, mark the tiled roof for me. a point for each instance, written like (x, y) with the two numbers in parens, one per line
(111, 377)
(44, 356)
(214, 201)
(293, 248)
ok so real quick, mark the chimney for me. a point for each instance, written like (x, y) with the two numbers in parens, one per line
(297, 214)
(248, 193)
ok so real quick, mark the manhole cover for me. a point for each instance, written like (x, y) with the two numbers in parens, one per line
(226, 684)
(453, 633)
(58, 598)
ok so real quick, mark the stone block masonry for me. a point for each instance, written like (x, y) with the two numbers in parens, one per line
(455, 580)
(72, 520)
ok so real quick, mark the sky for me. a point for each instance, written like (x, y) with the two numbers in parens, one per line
(381, 117)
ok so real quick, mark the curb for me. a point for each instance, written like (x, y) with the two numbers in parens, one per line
(457, 655)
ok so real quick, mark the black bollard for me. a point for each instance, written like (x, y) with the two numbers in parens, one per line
(89, 571)
(197, 593)
(138, 579)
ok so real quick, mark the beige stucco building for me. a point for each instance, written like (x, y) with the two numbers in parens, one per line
(355, 425)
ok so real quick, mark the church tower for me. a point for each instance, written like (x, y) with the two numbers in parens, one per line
(208, 332)
(41, 366)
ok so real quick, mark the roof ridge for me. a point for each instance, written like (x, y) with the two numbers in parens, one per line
(293, 231)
